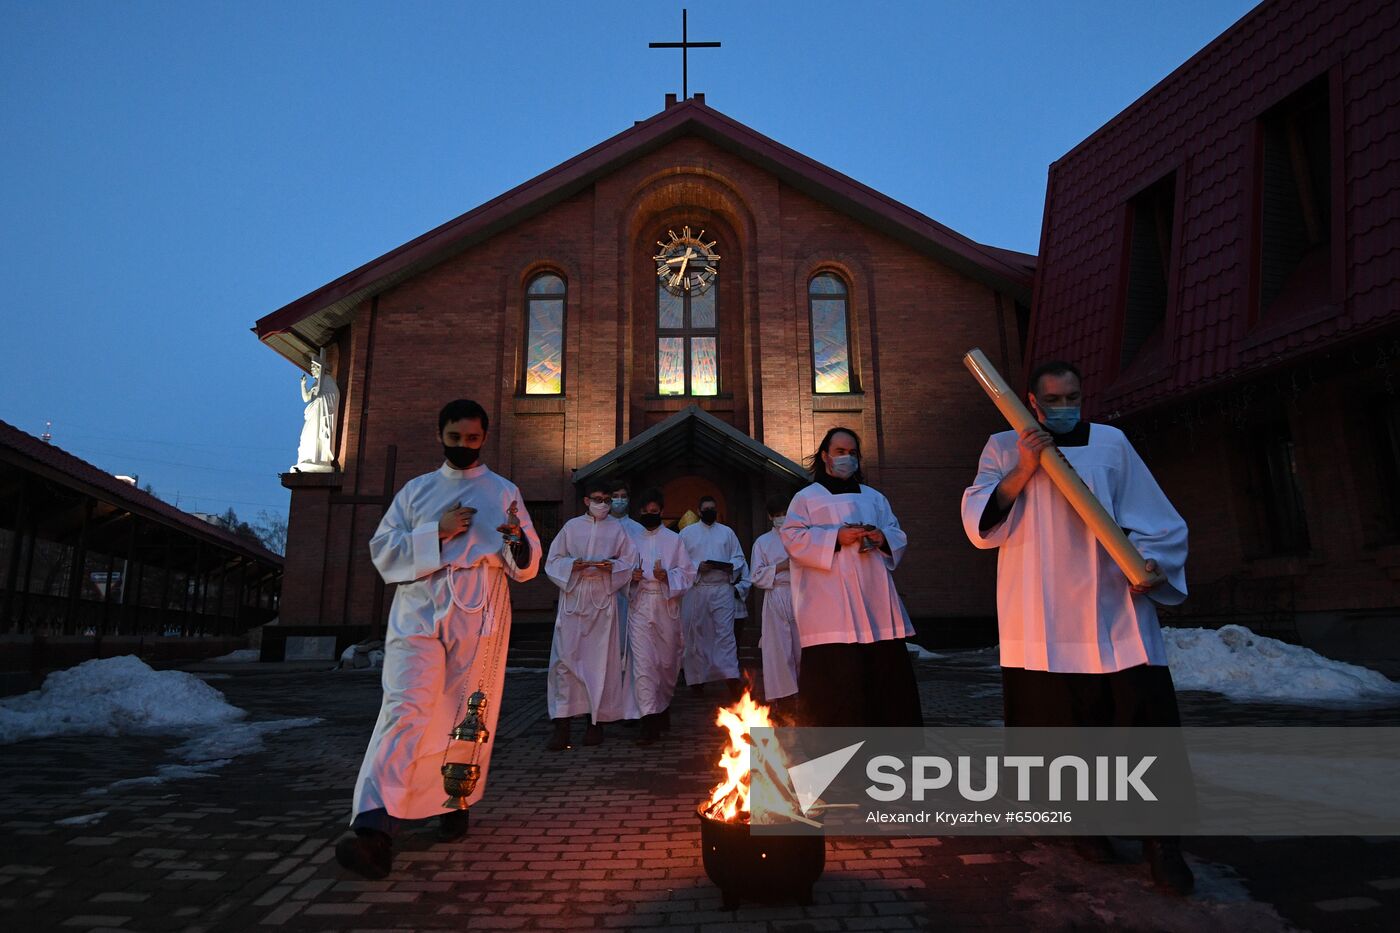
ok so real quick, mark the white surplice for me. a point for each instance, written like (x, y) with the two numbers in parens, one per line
(1062, 603)
(587, 670)
(707, 610)
(843, 596)
(451, 599)
(654, 619)
(780, 645)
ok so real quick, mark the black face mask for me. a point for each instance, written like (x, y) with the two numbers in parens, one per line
(649, 520)
(708, 516)
(461, 457)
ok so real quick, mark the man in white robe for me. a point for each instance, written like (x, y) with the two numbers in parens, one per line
(1080, 644)
(707, 611)
(780, 643)
(844, 544)
(664, 574)
(621, 502)
(590, 560)
(444, 541)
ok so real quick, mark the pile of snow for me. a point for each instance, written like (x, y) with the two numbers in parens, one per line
(1244, 666)
(113, 696)
(921, 653)
(240, 656)
(124, 696)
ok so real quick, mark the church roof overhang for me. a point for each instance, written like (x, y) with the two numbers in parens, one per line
(299, 328)
(693, 432)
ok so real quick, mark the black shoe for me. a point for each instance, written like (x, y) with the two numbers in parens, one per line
(452, 825)
(1170, 873)
(366, 852)
(651, 730)
(559, 740)
(593, 735)
(1096, 849)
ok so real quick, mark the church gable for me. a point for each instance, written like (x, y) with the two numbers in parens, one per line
(307, 323)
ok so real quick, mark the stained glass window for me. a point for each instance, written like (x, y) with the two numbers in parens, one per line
(544, 336)
(687, 342)
(704, 366)
(831, 345)
(670, 366)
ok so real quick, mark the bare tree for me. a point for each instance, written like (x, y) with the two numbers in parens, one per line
(271, 529)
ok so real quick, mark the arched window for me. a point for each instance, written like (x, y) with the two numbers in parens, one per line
(687, 341)
(544, 336)
(831, 335)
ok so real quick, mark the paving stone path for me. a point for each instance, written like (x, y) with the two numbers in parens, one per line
(589, 839)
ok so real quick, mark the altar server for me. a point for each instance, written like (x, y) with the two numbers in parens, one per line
(590, 560)
(1080, 644)
(844, 544)
(711, 652)
(779, 643)
(446, 540)
(664, 574)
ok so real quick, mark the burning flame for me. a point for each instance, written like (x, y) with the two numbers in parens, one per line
(729, 801)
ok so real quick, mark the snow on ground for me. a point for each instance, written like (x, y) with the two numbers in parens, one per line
(1244, 666)
(124, 696)
(1067, 892)
(920, 653)
(113, 696)
(241, 656)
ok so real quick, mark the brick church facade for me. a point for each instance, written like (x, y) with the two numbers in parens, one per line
(829, 304)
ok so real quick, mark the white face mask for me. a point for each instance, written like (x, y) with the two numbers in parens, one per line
(598, 509)
(844, 466)
(778, 521)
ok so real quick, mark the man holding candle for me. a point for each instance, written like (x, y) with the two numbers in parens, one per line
(1080, 643)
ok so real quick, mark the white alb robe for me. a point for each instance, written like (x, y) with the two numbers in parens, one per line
(634, 531)
(654, 620)
(846, 596)
(707, 611)
(451, 599)
(587, 669)
(1062, 603)
(780, 645)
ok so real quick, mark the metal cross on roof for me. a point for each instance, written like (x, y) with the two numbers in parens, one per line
(685, 45)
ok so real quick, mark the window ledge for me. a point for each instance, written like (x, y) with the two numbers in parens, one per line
(722, 402)
(844, 401)
(1267, 330)
(539, 404)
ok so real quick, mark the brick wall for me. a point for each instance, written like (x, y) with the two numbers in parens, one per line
(455, 330)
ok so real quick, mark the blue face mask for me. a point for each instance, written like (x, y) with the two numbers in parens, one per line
(1061, 420)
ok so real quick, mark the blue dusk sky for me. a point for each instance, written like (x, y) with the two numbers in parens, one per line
(172, 171)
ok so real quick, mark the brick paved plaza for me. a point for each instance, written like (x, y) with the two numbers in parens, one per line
(591, 838)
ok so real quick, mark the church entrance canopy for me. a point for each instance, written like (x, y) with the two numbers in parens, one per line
(696, 435)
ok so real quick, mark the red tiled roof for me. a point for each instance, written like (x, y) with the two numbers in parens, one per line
(29, 452)
(1199, 122)
(307, 322)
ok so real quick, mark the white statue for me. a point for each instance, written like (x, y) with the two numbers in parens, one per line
(316, 450)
